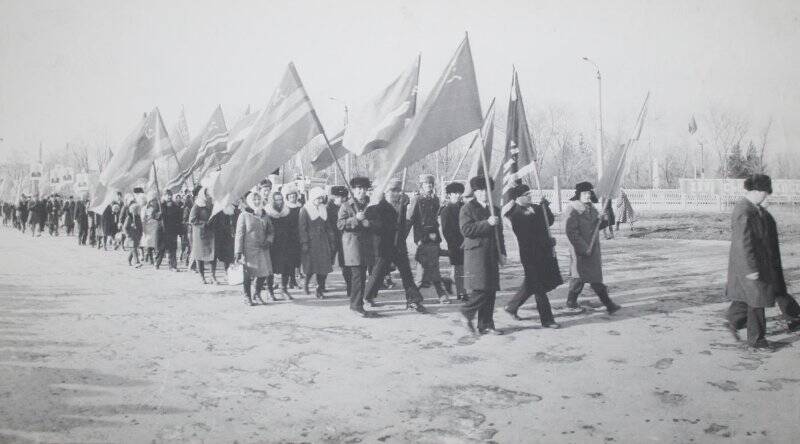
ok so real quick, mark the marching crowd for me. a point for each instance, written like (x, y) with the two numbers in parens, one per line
(293, 234)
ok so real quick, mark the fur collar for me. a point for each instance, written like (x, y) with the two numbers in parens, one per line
(292, 205)
(578, 206)
(271, 212)
(316, 211)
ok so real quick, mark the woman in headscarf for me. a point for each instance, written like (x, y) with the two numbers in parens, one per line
(292, 194)
(254, 235)
(203, 235)
(132, 226)
(285, 239)
(317, 241)
(151, 215)
(224, 229)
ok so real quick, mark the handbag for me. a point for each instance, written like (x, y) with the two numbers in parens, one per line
(235, 274)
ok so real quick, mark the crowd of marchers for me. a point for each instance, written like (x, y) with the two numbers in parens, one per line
(273, 237)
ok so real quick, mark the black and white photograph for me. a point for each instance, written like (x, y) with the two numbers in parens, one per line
(399, 221)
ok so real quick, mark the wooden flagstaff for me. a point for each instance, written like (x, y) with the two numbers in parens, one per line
(619, 167)
(489, 189)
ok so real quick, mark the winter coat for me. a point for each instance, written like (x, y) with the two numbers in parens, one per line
(171, 224)
(109, 222)
(754, 248)
(333, 217)
(132, 227)
(254, 235)
(424, 212)
(390, 227)
(481, 257)
(611, 217)
(150, 222)
(286, 247)
(536, 247)
(69, 213)
(428, 257)
(448, 216)
(317, 241)
(581, 225)
(357, 240)
(202, 234)
(224, 232)
(81, 216)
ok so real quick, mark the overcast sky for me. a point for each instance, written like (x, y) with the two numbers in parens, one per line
(80, 69)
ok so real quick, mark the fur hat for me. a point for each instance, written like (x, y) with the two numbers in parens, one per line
(265, 183)
(339, 190)
(758, 182)
(360, 182)
(289, 188)
(454, 187)
(518, 191)
(395, 184)
(427, 178)
(479, 183)
(581, 187)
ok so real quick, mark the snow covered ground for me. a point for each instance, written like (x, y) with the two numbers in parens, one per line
(92, 350)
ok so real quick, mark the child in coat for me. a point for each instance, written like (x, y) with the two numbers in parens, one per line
(428, 253)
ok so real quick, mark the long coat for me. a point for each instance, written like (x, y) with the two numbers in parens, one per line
(535, 247)
(333, 217)
(224, 230)
(357, 240)
(132, 225)
(317, 240)
(481, 256)
(390, 227)
(448, 216)
(202, 234)
(171, 225)
(254, 235)
(754, 248)
(287, 245)
(150, 221)
(81, 216)
(423, 212)
(109, 220)
(580, 227)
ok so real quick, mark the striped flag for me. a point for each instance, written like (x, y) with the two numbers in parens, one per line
(609, 185)
(213, 140)
(287, 124)
(520, 155)
(324, 158)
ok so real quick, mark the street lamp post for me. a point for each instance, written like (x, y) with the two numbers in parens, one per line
(600, 118)
(346, 156)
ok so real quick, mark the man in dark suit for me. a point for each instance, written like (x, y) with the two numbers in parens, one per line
(82, 219)
(536, 254)
(171, 225)
(755, 272)
(484, 252)
(388, 221)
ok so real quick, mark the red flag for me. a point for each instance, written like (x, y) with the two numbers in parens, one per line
(287, 124)
(451, 110)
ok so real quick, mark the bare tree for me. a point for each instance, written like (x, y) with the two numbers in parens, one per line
(726, 129)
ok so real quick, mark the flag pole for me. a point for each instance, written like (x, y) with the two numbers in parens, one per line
(489, 189)
(464, 156)
(637, 130)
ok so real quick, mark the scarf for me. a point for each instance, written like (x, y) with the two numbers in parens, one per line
(316, 211)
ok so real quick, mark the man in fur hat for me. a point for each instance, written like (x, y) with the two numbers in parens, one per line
(484, 251)
(535, 252)
(357, 242)
(388, 220)
(448, 217)
(755, 272)
(424, 209)
(586, 264)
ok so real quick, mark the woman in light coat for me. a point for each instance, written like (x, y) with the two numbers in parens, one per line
(203, 235)
(254, 236)
(317, 240)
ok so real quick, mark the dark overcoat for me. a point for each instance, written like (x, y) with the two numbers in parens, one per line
(581, 226)
(448, 216)
(224, 231)
(754, 248)
(481, 248)
(171, 224)
(333, 217)
(424, 212)
(357, 240)
(81, 216)
(390, 227)
(536, 247)
(286, 246)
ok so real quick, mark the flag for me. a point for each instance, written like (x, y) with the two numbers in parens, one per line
(134, 158)
(692, 126)
(520, 155)
(324, 159)
(376, 123)
(609, 185)
(212, 139)
(286, 125)
(451, 110)
(236, 137)
(487, 136)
